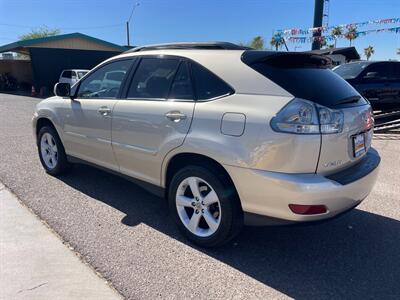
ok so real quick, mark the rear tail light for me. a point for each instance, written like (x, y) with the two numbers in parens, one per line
(307, 209)
(305, 117)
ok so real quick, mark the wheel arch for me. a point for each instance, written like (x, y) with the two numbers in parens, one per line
(180, 160)
(45, 121)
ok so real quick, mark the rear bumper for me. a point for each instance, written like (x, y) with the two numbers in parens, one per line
(269, 193)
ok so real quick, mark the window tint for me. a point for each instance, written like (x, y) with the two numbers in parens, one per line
(316, 84)
(397, 71)
(351, 70)
(182, 85)
(380, 71)
(104, 82)
(67, 74)
(81, 74)
(153, 78)
(208, 85)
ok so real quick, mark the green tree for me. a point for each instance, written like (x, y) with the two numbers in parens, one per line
(257, 43)
(277, 41)
(336, 32)
(39, 32)
(369, 51)
(351, 33)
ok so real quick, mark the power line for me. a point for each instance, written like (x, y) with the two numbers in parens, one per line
(66, 28)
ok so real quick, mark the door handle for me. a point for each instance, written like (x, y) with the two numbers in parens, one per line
(104, 111)
(175, 116)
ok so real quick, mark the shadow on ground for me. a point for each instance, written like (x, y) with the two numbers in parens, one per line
(357, 255)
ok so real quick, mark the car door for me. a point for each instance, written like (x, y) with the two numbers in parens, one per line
(154, 118)
(87, 118)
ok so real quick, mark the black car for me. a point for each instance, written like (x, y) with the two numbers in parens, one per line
(379, 82)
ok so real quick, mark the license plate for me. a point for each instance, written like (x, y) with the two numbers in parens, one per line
(358, 145)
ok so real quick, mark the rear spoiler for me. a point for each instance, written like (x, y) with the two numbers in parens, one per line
(287, 59)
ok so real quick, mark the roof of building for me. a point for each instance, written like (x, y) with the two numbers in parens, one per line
(349, 52)
(20, 46)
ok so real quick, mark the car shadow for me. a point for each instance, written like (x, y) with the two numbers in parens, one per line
(354, 256)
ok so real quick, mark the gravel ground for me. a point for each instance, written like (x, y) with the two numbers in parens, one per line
(126, 235)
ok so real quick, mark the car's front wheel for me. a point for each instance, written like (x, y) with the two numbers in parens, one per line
(51, 151)
(205, 206)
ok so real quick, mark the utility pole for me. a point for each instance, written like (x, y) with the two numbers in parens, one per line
(127, 32)
(127, 22)
(318, 16)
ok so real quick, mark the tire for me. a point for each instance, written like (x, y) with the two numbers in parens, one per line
(225, 216)
(51, 151)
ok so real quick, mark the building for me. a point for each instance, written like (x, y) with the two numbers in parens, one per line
(40, 62)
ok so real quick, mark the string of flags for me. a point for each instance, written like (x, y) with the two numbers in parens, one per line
(324, 29)
(305, 39)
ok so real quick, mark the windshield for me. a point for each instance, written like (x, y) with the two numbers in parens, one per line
(81, 74)
(351, 70)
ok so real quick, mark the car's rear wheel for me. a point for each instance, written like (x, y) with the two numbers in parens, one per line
(205, 206)
(51, 151)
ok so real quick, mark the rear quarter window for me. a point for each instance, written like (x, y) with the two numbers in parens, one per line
(207, 85)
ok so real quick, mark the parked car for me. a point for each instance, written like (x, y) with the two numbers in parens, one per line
(229, 136)
(72, 76)
(379, 82)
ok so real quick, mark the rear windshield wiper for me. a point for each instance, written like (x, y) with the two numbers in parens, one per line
(351, 99)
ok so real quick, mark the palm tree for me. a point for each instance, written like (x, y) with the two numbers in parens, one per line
(351, 33)
(257, 43)
(369, 51)
(277, 41)
(336, 32)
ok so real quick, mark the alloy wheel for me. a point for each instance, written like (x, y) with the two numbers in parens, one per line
(198, 206)
(48, 150)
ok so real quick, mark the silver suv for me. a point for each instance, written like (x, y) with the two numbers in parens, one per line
(230, 136)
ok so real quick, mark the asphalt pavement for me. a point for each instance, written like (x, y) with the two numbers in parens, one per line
(125, 233)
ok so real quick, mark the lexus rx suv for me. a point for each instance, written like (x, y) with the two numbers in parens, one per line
(229, 135)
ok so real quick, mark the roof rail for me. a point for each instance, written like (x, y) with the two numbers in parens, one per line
(191, 45)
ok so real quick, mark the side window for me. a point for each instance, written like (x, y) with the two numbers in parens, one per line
(73, 75)
(153, 78)
(182, 86)
(208, 85)
(67, 74)
(397, 71)
(105, 82)
(380, 71)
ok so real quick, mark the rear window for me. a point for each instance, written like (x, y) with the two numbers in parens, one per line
(308, 77)
(67, 74)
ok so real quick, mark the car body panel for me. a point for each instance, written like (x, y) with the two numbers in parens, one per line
(87, 133)
(269, 193)
(337, 149)
(142, 135)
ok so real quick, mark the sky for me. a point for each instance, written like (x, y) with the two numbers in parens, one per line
(159, 21)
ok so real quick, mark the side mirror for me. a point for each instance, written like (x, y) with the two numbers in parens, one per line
(62, 89)
(371, 75)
